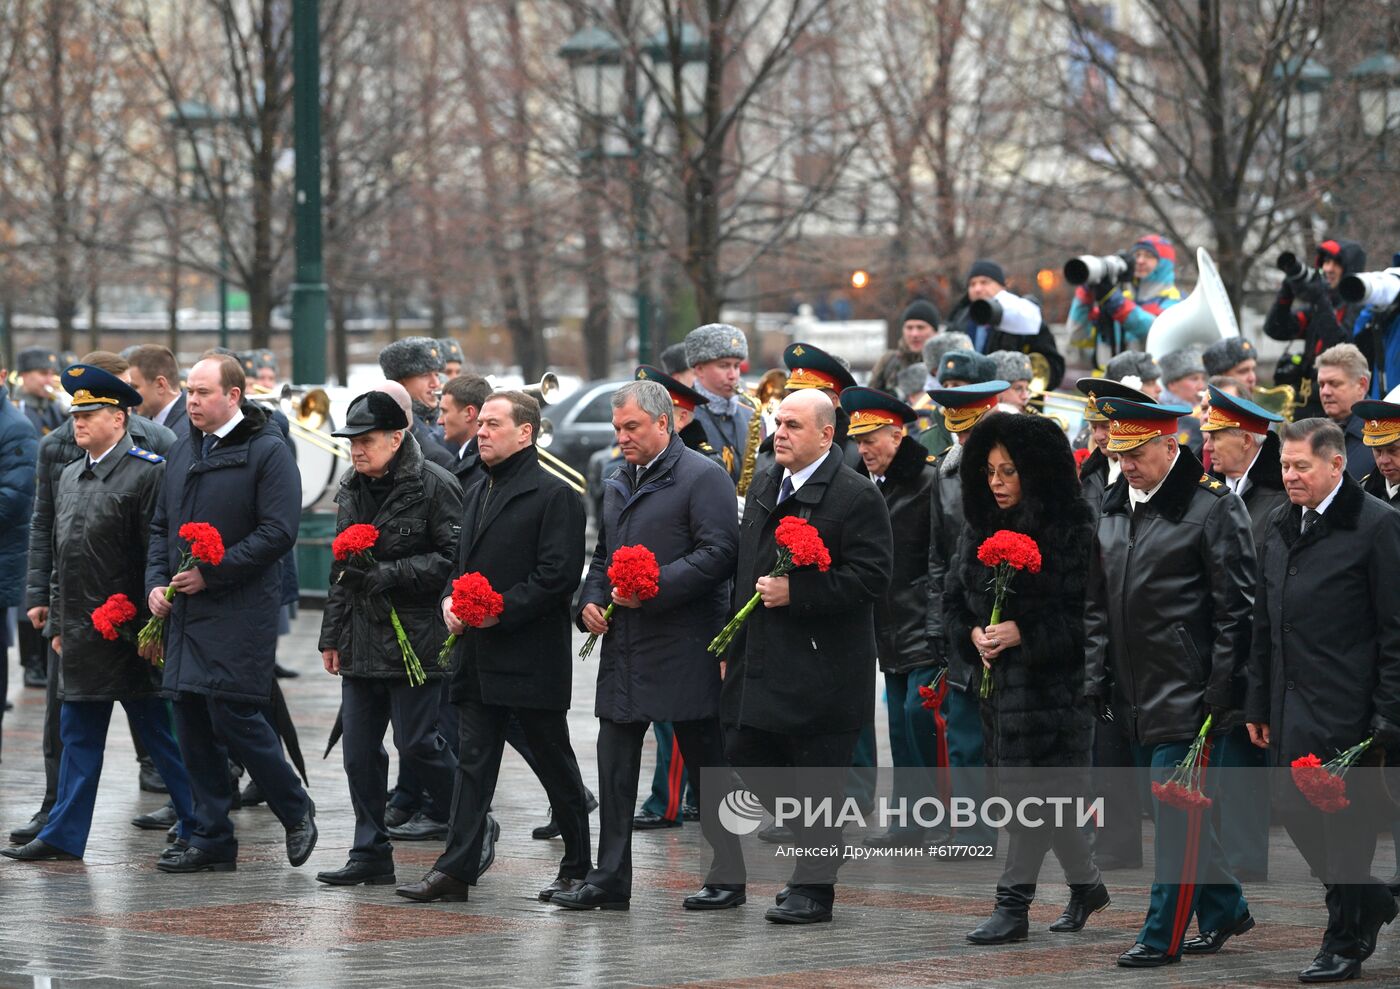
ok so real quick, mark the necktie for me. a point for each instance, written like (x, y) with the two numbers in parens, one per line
(641, 473)
(880, 481)
(208, 444)
(1310, 519)
(785, 491)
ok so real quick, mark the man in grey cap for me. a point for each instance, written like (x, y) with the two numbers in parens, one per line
(1014, 367)
(414, 362)
(716, 352)
(37, 367)
(1236, 357)
(1136, 364)
(1184, 376)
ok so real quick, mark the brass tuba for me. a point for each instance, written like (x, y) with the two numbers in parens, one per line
(1203, 317)
(751, 443)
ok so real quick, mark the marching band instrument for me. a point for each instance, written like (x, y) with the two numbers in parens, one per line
(549, 385)
(1281, 399)
(1203, 317)
(309, 425)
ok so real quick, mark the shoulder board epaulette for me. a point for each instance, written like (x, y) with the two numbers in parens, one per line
(1212, 485)
(705, 447)
(147, 455)
(615, 451)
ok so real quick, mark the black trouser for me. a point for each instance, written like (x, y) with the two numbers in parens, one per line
(204, 726)
(1025, 854)
(368, 706)
(814, 875)
(1120, 837)
(620, 765)
(482, 741)
(1339, 848)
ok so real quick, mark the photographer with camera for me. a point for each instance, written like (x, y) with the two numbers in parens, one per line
(1116, 307)
(1309, 307)
(997, 319)
(1377, 327)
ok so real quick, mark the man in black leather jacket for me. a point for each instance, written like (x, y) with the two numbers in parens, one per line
(1167, 623)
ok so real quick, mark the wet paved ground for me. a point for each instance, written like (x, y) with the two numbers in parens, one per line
(114, 920)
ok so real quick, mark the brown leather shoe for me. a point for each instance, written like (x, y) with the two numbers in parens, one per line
(435, 886)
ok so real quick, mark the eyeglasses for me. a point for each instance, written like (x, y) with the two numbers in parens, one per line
(1006, 472)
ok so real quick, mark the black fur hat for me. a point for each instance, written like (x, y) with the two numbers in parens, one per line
(1050, 491)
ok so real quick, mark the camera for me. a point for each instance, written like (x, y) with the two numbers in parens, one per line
(986, 312)
(1089, 269)
(1292, 268)
(1009, 312)
(1371, 288)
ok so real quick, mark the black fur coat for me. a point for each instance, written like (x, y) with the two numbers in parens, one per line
(1036, 714)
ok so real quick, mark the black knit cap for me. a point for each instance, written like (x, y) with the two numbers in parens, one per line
(924, 310)
(988, 269)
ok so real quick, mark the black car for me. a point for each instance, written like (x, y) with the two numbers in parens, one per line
(577, 426)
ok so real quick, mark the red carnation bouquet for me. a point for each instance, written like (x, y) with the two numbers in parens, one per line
(109, 617)
(1006, 552)
(1081, 455)
(1184, 788)
(799, 545)
(1324, 784)
(633, 570)
(355, 543)
(473, 601)
(205, 546)
(931, 694)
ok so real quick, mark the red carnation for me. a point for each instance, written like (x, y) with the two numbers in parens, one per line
(931, 695)
(1323, 784)
(109, 616)
(1185, 788)
(799, 545)
(1081, 455)
(633, 570)
(473, 601)
(206, 545)
(1005, 552)
(356, 540)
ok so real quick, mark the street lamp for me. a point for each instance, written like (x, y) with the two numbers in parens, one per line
(1378, 82)
(1305, 102)
(195, 126)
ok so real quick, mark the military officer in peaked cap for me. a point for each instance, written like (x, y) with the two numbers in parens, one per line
(812, 367)
(1167, 649)
(1101, 467)
(1380, 430)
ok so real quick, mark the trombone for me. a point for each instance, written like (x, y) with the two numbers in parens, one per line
(549, 385)
(311, 413)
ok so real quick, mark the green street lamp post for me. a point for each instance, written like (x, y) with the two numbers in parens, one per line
(309, 290)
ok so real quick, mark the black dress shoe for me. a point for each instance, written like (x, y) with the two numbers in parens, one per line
(1141, 956)
(1209, 942)
(896, 838)
(1371, 929)
(436, 886)
(38, 851)
(690, 813)
(34, 677)
(282, 673)
(1328, 967)
(1002, 927)
(30, 831)
(1080, 908)
(419, 827)
(358, 872)
(150, 779)
(550, 829)
(175, 850)
(714, 898)
(783, 894)
(776, 834)
(396, 817)
(651, 822)
(194, 859)
(251, 795)
(488, 844)
(301, 837)
(562, 884)
(798, 909)
(586, 896)
(157, 820)
(173, 835)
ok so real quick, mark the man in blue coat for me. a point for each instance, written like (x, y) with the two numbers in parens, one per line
(232, 471)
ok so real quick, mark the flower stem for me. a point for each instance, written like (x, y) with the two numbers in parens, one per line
(726, 634)
(587, 649)
(416, 676)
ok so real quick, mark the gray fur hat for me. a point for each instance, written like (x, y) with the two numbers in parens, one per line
(1179, 363)
(911, 380)
(410, 356)
(1223, 355)
(1012, 365)
(1135, 364)
(940, 344)
(451, 350)
(714, 341)
(36, 359)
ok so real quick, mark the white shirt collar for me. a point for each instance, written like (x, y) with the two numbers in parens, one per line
(94, 461)
(1136, 497)
(164, 413)
(1114, 469)
(1390, 490)
(228, 427)
(800, 478)
(1238, 484)
(1326, 503)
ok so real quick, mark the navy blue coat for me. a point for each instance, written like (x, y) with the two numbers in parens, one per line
(654, 665)
(221, 642)
(19, 455)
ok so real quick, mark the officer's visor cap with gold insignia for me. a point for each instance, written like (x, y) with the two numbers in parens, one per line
(871, 409)
(1380, 422)
(93, 388)
(682, 397)
(1230, 412)
(1097, 388)
(812, 367)
(965, 405)
(1131, 424)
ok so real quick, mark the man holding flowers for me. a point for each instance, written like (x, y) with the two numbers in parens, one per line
(506, 599)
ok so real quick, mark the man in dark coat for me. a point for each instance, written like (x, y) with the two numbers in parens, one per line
(523, 531)
(417, 507)
(800, 685)
(36, 396)
(460, 411)
(811, 367)
(233, 471)
(415, 363)
(1010, 322)
(1343, 377)
(103, 499)
(1380, 429)
(904, 472)
(57, 450)
(18, 452)
(1166, 647)
(655, 665)
(1100, 469)
(1324, 671)
(156, 376)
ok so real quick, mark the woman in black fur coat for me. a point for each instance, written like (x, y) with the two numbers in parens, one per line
(1018, 473)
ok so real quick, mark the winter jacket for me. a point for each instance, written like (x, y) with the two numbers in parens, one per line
(1171, 587)
(988, 339)
(946, 520)
(101, 525)
(19, 449)
(1139, 303)
(1263, 491)
(418, 522)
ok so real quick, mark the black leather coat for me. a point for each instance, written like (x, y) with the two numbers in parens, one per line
(946, 519)
(1171, 588)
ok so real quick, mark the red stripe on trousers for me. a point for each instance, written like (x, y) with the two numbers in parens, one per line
(673, 779)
